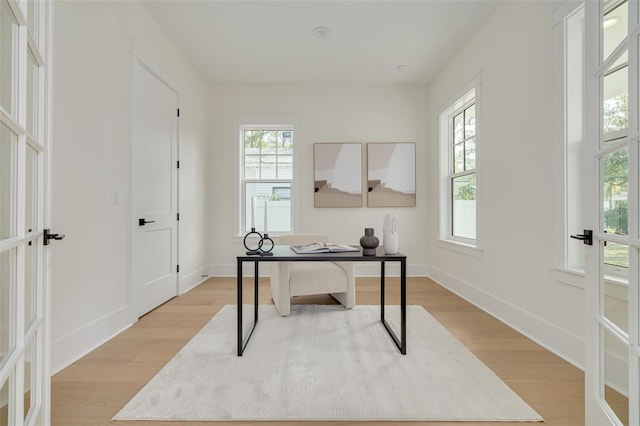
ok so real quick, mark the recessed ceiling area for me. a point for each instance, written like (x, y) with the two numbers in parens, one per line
(306, 41)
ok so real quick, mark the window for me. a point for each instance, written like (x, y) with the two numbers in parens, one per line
(571, 217)
(569, 190)
(459, 171)
(266, 176)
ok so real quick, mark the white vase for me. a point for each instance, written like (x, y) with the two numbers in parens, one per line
(390, 242)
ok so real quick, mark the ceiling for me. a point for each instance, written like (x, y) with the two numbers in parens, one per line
(266, 41)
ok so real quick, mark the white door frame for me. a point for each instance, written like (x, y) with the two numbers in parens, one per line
(141, 57)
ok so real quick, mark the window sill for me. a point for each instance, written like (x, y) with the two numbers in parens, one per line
(576, 278)
(569, 277)
(459, 247)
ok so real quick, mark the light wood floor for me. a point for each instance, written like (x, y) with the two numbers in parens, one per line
(95, 388)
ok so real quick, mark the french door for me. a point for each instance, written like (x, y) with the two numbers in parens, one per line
(612, 361)
(24, 53)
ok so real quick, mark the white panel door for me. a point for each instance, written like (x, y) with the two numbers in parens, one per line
(612, 332)
(155, 183)
(24, 91)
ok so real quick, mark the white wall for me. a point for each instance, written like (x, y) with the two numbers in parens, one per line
(326, 113)
(91, 161)
(512, 53)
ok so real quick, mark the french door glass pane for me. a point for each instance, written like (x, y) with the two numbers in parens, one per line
(278, 195)
(30, 375)
(614, 27)
(30, 279)
(616, 375)
(615, 279)
(615, 104)
(4, 407)
(464, 206)
(7, 302)
(33, 18)
(614, 192)
(32, 96)
(8, 161)
(8, 83)
(31, 190)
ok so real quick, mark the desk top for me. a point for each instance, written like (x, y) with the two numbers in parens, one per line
(285, 254)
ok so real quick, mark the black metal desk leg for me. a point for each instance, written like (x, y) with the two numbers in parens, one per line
(242, 342)
(382, 290)
(403, 306)
(402, 342)
(239, 292)
(255, 292)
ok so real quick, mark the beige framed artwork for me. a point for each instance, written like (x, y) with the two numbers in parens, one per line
(337, 175)
(391, 174)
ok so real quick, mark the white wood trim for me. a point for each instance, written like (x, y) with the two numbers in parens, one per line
(193, 279)
(563, 343)
(73, 346)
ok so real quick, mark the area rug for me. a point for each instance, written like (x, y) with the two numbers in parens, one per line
(326, 363)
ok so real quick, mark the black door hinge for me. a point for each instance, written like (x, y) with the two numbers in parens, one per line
(178, 268)
(178, 112)
(178, 216)
(178, 164)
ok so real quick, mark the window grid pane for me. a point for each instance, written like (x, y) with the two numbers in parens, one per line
(463, 206)
(277, 196)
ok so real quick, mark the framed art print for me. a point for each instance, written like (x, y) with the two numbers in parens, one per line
(391, 174)
(337, 174)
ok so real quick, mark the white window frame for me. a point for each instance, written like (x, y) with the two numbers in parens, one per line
(569, 153)
(263, 121)
(469, 94)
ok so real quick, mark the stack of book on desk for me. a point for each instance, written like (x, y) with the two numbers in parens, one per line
(314, 248)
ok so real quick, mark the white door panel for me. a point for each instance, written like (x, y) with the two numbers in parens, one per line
(24, 150)
(155, 152)
(612, 357)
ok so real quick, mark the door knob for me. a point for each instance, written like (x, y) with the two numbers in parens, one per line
(143, 222)
(587, 237)
(47, 235)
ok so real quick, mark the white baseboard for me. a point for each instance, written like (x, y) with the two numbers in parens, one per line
(561, 342)
(193, 279)
(363, 269)
(77, 344)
